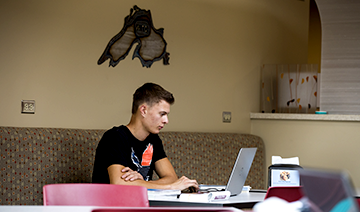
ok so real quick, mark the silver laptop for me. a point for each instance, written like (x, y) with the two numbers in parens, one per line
(238, 175)
(328, 191)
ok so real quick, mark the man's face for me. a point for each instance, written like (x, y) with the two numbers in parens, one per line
(156, 117)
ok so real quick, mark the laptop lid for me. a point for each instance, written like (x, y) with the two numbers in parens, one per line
(328, 191)
(240, 170)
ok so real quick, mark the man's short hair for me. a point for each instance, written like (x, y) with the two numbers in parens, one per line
(150, 94)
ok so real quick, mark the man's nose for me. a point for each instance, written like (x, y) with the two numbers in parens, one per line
(165, 119)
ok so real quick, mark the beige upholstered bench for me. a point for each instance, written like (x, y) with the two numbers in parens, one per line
(33, 157)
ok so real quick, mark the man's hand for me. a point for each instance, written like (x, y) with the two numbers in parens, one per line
(131, 175)
(184, 183)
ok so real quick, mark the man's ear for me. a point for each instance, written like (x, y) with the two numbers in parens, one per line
(143, 110)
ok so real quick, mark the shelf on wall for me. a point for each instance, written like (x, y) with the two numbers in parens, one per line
(304, 117)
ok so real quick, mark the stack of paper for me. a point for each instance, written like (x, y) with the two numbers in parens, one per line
(205, 197)
(160, 194)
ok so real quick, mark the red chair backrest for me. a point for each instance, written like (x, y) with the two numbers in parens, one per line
(88, 194)
(288, 193)
(358, 201)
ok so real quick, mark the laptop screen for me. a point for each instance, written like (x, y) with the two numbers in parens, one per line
(240, 170)
(238, 174)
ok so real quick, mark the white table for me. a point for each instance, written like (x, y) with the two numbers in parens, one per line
(243, 200)
(19, 208)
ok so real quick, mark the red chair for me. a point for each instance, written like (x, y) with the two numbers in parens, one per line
(288, 193)
(358, 201)
(88, 194)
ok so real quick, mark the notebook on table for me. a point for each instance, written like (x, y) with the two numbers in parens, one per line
(328, 191)
(238, 175)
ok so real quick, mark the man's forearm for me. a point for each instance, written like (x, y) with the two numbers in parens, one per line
(163, 183)
(157, 184)
(168, 178)
(119, 174)
(165, 180)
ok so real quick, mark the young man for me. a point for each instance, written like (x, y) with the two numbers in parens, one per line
(129, 154)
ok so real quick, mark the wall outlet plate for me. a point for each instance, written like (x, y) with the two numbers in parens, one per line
(28, 106)
(226, 117)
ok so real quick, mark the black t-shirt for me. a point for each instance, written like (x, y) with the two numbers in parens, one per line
(119, 146)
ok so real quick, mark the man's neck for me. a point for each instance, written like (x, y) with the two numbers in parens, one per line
(137, 130)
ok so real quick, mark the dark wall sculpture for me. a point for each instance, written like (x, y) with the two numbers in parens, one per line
(138, 28)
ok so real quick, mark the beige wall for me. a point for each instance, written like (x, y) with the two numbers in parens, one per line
(49, 52)
(318, 144)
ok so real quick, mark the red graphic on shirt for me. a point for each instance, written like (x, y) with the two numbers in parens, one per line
(147, 155)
